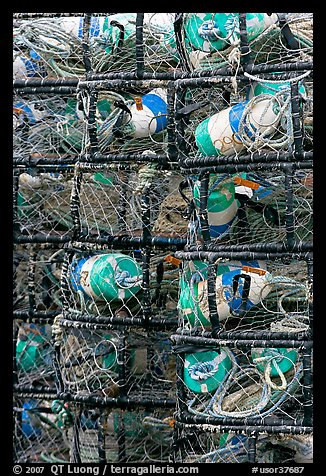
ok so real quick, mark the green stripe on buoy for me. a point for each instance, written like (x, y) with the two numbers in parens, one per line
(203, 139)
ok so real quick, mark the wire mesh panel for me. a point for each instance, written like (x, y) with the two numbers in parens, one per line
(42, 202)
(250, 207)
(121, 435)
(226, 117)
(47, 125)
(40, 434)
(138, 364)
(54, 46)
(265, 384)
(246, 295)
(216, 40)
(37, 274)
(196, 445)
(120, 284)
(114, 199)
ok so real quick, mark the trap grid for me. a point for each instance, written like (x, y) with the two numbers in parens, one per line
(48, 429)
(98, 45)
(229, 119)
(119, 363)
(109, 202)
(242, 68)
(36, 303)
(251, 206)
(249, 295)
(219, 397)
(218, 444)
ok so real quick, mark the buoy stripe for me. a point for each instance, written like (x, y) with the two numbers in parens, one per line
(157, 106)
(94, 30)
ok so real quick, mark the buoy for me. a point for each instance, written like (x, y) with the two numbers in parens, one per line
(274, 87)
(231, 290)
(283, 358)
(30, 112)
(30, 424)
(204, 371)
(219, 134)
(32, 347)
(148, 113)
(210, 32)
(106, 277)
(221, 205)
(28, 66)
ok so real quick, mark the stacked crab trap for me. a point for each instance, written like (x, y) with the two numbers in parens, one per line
(163, 237)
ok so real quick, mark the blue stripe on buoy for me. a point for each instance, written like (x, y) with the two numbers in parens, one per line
(27, 110)
(234, 303)
(262, 192)
(217, 230)
(94, 27)
(80, 28)
(158, 106)
(235, 115)
(75, 274)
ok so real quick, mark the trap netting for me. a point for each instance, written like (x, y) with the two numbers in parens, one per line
(245, 295)
(163, 237)
(209, 445)
(127, 285)
(53, 431)
(212, 41)
(99, 201)
(54, 46)
(235, 117)
(69, 45)
(249, 207)
(106, 362)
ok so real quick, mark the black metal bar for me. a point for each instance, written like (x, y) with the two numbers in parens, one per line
(296, 115)
(307, 387)
(146, 253)
(298, 247)
(75, 203)
(259, 157)
(31, 280)
(171, 126)
(250, 335)
(289, 211)
(247, 429)
(91, 121)
(171, 75)
(310, 296)
(139, 45)
(245, 57)
(101, 431)
(27, 315)
(235, 168)
(203, 213)
(85, 43)
(257, 424)
(178, 23)
(213, 342)
(245, 255)
(76, 457)
(63, 90)
(211, 299)
(252, 447)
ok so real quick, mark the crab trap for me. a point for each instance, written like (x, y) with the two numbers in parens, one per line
(242, 387)
(163, 237)
(271, 295)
